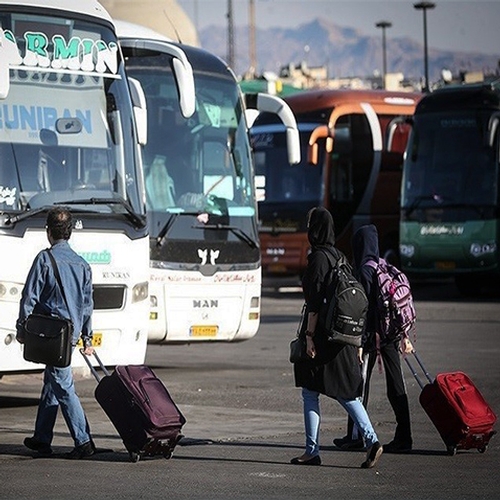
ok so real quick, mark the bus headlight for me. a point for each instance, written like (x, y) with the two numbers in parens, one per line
(407, 250)
(10, 292)
(153, 301)
(479, 249)
(140, 292)
(254, 302)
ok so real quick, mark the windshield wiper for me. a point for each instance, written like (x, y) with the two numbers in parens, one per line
(160, 239)
(238, 232)
(419, 199)
(166, 228)
(136, 219)
(478, 207)
(11, 220)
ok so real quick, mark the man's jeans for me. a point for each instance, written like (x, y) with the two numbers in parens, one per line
(59, 390)
(312, 420)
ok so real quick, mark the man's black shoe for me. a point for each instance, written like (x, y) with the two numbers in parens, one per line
(347, 444)
(396, 446)
(34, 444)
(315, 460)
(83, 451)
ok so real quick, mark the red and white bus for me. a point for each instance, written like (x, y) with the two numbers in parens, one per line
(352, 143)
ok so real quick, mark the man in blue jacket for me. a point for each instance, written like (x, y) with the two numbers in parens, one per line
(41, 294)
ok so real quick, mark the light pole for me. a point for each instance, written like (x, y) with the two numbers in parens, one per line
(424, 6)
(251, 38)
(230, 34)
(384, 25)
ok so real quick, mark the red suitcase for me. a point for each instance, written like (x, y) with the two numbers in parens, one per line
(457, 408)
(141, 409)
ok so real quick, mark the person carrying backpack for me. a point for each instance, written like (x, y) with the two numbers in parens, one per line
(366, 258)
(333, 368)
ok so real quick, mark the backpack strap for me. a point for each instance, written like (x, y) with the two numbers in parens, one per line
(334, 262)
(58, 276)
(330, 257)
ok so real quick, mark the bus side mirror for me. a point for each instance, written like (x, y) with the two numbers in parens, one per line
(4, 80)
(272, 104)
(492, 130)
(312, 154)
(184, 78)
(140, 110)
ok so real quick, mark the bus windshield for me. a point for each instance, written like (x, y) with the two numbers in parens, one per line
(199, 166)
(449, 162)
(276, 180)
(78, 147)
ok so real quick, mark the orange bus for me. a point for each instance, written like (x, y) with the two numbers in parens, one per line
(352, 143)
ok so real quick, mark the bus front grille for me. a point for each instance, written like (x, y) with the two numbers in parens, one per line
(108, 297)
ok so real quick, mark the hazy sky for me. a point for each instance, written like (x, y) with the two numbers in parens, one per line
(472, 25)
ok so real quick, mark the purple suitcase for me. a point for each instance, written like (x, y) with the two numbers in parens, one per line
(141, 409)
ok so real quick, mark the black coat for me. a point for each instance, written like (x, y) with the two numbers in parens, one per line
(335, 371)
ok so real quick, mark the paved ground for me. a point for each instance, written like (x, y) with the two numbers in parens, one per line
(244, 421)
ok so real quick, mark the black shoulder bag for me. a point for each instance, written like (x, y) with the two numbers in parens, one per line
(47, 339)
(298, 346)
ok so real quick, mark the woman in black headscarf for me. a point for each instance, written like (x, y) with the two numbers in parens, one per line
(333, 369)
(366, 251)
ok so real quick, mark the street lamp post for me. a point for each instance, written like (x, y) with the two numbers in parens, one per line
(384, 25)
(230, 34)
(424, 6)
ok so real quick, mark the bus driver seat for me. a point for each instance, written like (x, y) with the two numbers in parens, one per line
(160, 187)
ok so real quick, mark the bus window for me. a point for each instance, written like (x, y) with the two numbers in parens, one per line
(218, 167)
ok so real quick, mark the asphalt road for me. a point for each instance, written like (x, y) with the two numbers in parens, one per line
(244, 421)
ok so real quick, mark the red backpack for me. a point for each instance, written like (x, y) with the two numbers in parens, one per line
(396, 310)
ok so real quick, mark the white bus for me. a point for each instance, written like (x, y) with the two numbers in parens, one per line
(71, 126)
(205, 282)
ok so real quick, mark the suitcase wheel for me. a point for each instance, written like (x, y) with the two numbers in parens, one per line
(134, 457)
(482, 449)
(452, 450)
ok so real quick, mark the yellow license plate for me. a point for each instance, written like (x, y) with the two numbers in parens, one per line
(204, 331)
(445, 265)
(277, 268)
(96, 340)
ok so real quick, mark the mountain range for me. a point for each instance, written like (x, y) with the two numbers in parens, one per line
(345, 51)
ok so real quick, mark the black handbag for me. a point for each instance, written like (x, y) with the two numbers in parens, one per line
(48, 339)
(298, 346)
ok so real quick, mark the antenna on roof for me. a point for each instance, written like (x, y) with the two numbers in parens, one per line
(173, 26)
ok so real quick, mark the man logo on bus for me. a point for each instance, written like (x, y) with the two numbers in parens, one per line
(203, 255)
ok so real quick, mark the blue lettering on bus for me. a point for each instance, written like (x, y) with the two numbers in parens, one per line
(34, 118)
(28, 117)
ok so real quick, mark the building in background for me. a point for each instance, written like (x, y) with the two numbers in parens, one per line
(164, 16)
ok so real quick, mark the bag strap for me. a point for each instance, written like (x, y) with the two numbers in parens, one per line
(331, 258)
(57, 275)
(303, 318)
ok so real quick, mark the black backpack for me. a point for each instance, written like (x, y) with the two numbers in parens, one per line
(343, 315)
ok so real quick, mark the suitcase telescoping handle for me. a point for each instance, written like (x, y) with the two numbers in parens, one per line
(414, 372)
(92, 369)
